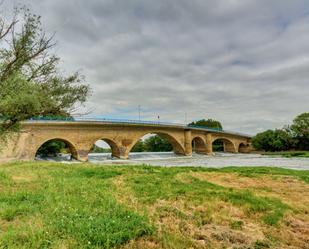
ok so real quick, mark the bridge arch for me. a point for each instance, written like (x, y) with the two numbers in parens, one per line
(70, 145)
(115, 150)
(199, 145)
(178, 148)
(228, 144)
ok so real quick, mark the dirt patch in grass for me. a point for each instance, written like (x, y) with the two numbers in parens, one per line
(216, 210)
(144, 242)
(297, 231)
(211, 224)
(288, 188)
(23, 178)
(294, 228)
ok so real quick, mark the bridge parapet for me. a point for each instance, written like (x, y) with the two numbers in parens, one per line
(133, 122)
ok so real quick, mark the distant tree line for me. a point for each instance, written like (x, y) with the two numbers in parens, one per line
(153, 144)
(291, 137)
(97, 149)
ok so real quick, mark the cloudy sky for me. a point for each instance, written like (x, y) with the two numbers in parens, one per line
(243, 62)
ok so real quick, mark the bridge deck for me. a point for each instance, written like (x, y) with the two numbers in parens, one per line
(135, 123)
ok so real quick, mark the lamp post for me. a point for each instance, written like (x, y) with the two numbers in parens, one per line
(139, 112)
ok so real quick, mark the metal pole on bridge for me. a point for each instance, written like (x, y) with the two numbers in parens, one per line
(139, 112)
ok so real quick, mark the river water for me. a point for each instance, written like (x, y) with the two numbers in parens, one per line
(219, 160)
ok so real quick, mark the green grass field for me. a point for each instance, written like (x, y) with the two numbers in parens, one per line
(54, 205)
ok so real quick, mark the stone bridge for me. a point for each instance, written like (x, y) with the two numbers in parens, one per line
(80, 136)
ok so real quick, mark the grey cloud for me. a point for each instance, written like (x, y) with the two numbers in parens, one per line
(242, 62)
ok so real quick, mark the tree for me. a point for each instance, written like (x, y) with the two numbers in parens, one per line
(152, 144)
(52, 148)
(97, 149)
(300, 128)
(295, 136)
(157, 144)
(139, 146)
(30, 81)
(273, 140)
(210, 123)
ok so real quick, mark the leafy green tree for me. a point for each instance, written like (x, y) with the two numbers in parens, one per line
(300, 128)
(97, 149)
(30, 82)
(261, 140)
(273, 140)
(218, 145)
(157, 144)
(52, 148)
(139, 146)
(210, 123)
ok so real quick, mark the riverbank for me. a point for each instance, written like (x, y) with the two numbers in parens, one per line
(93, 206)
(288, 153)
(219, 160)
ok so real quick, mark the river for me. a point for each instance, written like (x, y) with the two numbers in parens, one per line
(217, 161)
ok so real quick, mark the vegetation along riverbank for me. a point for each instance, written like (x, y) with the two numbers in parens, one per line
(287, 153)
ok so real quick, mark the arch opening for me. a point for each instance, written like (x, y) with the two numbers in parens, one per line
(56, 149)
(243, 148)
(223, 145)
(199, 146)
(157, 142)
(105, 149)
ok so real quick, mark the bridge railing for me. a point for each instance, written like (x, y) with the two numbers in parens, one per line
(205, 127)
(107, 120)
(128, 121)
(110, 120)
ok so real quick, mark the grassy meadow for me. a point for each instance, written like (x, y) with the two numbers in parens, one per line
(54, 205)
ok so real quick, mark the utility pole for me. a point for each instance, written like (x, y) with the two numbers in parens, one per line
(139, 112)
(186, 118)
